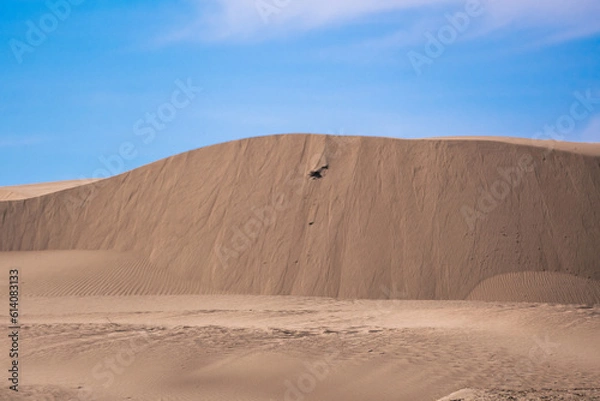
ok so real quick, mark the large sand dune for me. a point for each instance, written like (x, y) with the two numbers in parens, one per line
(379, 218)
(126, 284)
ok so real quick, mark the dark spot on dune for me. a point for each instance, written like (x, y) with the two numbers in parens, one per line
(318, 173)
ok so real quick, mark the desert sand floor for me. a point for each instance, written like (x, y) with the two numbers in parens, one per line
(234, 347)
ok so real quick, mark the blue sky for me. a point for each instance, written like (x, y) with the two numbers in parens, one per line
(91, 88)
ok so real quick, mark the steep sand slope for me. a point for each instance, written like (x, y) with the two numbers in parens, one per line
(423, 219)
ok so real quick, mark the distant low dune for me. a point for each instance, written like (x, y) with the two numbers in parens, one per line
(32, 190)
(525, 395)
(316, 215)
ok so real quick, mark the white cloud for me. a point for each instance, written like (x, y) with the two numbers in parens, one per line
(259, 19)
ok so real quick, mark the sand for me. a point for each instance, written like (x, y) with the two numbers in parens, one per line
(32, 190)
(240, 347)
(312, 267)
(245, 217)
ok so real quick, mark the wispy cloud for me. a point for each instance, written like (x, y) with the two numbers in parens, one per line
(15, 141)
(220, 20)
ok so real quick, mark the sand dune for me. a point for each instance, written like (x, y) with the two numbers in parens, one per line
(536, 286)
(32, 190)
(524, 395)
(243, 271)
(379, 218)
